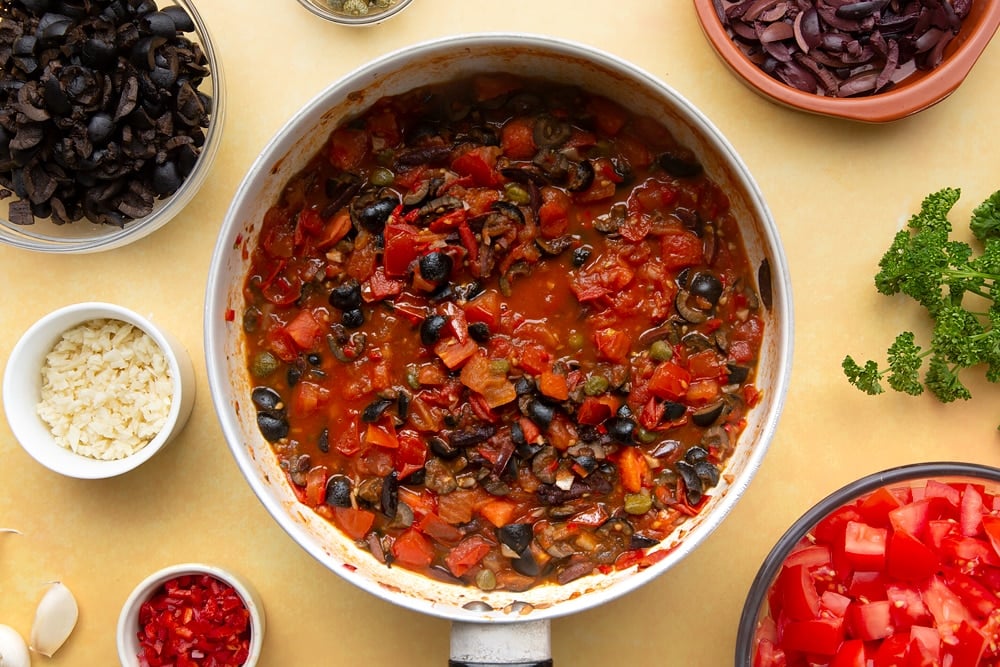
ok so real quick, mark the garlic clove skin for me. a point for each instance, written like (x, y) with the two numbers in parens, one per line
(55, 619)
(13, 650)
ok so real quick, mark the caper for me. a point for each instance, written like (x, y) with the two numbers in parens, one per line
(576, 340)
(661, 351)
(486, 580)
(621, 429)
(595, 385)
(499, 366)
(382, 177)
(517, 194)
(638, 503)
(264, 364)
(645, 436)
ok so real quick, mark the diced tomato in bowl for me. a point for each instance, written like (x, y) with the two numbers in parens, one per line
(898, 568)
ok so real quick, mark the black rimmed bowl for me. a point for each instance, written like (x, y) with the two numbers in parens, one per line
(899, 567)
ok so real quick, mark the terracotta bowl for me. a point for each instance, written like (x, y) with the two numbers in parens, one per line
(917, 92)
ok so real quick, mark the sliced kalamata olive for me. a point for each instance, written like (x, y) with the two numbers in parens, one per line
(689, 313)
(665, 448)
(160, 24)
(526, 564)
(479, 332)
(430, 329)
(272, 426)
(556, 246)
(693, 486)
(706, 285)
(696, 454)
(374, 410)
(524, 386)
(390, 494)
(56, 98)
(541, 413)
(435, 267)
(581, 255)
(471, 436)
(552, 163)
(709, 414)
(265, 398)
(621, 429)
(512, 211)
(516, 536)
(707, 472)
(764, 282)
(323, 442)
(181, 19)
(352, 319)
(346, 348)
(338, 491)
(737, 374)
(166, 178)
(859, 10)
(579, 176)
(347, 295)
(374, 215)
(339, 190)
(679, 162)
(100, 128)
(640, 541)
(549, 132)
(442, 448)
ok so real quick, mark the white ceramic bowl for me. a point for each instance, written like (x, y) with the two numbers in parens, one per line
(84, 236)
(22, 382)
(438, 61)
(128, 619)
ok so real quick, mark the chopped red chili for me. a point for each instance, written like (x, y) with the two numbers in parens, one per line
(528, 356)
(194, 621)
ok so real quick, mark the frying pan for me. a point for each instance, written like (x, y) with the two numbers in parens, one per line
(484, 623)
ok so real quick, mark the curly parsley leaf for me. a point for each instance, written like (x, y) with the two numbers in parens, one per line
(959, 291)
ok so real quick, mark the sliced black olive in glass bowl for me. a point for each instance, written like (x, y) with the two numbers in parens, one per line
(114, 197)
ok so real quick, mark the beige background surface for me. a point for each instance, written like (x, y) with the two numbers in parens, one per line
(838, 190)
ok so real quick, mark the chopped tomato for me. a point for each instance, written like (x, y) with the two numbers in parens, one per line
(609, 116)
(348, 147)
(498, 512)
(479, 374)
(612, 345)
(669, 381)
(304, 330)
(553, 385)
(552, 214)
(354, 522)
(467, 554)
(633, 469)
(517, 139)
(680, 249)
(411, 548)
(478, 164)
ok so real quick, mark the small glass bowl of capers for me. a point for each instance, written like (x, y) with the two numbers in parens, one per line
(355, 12)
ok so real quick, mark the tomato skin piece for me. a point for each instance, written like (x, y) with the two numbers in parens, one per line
(517, 139)
(991, 525)
(799, 598)
(348, 147)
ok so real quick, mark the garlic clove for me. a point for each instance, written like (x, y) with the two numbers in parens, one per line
(13, 650)
(55, 619)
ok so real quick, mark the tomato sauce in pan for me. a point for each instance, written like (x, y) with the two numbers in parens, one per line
(502, 332)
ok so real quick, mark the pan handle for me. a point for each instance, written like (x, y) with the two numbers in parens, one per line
(521, 644)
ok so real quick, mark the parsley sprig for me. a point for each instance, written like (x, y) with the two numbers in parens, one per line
(959, 290)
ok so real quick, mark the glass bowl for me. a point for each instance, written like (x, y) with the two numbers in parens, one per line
(901, 564)
(22, 386)
(378, 10)
(916, 92)
(84, 236)
(189, 575)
